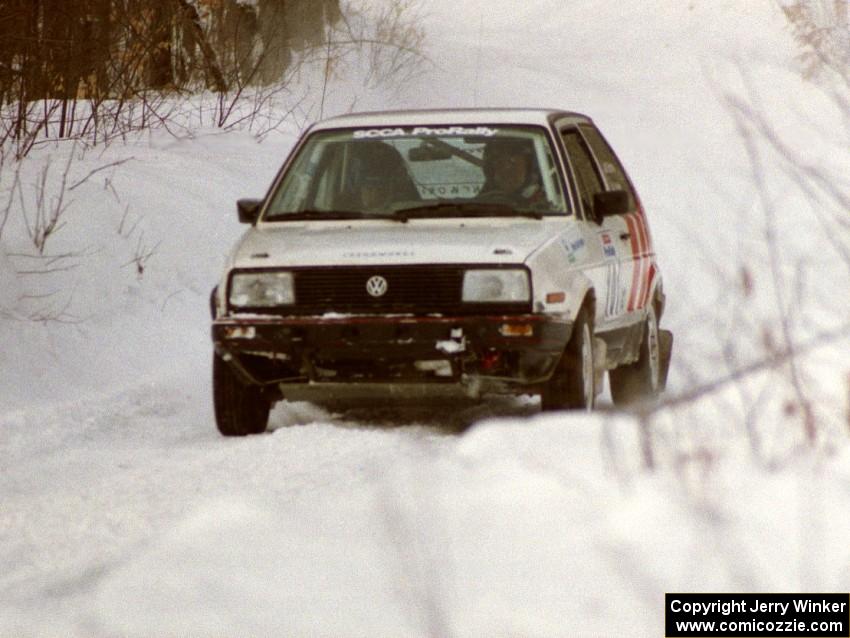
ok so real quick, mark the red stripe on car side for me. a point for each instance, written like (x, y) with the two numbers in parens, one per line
(644, 259)
(636, 262)
(649, 285)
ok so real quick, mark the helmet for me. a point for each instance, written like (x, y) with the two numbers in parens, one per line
(507, 147)
(376, 163)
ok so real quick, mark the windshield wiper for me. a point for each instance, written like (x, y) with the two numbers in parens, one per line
(329, 215)
(466, 209)
(443, 209)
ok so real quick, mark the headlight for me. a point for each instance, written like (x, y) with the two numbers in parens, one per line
(261, 289)
(496, 285)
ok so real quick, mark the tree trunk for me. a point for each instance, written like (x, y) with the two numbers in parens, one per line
(211, 65)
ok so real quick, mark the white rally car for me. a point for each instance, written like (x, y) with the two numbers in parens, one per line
(443, 252)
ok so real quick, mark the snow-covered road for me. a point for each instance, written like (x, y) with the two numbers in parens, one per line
(131, 507)
(128, 515)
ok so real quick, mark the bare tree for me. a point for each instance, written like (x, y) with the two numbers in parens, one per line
(823, 29)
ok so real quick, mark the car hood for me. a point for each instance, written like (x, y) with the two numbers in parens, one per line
(485, 241)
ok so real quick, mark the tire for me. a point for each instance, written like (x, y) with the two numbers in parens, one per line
(640, 381)
(239, 409)
(572, 385)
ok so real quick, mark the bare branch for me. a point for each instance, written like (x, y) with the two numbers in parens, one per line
(97, 170)
(771, 361)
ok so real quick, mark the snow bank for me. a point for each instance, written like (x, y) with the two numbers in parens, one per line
(540, 527)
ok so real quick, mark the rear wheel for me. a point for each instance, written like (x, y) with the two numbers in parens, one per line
(641, 380)
(239, 409)
(572, 384)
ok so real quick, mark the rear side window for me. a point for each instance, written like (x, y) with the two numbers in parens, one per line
(612, 170)
(589, 180)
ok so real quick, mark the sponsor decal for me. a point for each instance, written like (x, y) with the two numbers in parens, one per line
(573, 244)
(424, 131)
(607, 246)
(483, 131)
(370, 133)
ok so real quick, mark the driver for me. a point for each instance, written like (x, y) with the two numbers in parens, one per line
(375, 192)
(376, 179)
(510, 172)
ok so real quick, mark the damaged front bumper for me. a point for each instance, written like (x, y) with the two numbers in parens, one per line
(335, 357)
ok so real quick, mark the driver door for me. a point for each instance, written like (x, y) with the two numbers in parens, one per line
(609, 236)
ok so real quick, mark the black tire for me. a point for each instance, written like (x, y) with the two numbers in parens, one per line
(640, 381)
(239, 409)
(572, 386)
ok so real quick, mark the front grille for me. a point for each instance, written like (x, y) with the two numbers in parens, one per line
(409, 290)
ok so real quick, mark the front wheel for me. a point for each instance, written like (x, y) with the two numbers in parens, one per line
(642, 380)
(239, 409)
(572, 386)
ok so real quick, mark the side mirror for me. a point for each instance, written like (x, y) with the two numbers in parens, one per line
(610, 203)
(248, 210)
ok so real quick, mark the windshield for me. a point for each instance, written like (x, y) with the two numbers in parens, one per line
(421, 172)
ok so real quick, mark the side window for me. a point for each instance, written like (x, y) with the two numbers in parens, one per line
(612, 170)
(589, 180)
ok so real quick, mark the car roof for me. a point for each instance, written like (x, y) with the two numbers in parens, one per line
(431, 117)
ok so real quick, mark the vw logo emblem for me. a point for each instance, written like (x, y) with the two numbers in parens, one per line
(376, 286)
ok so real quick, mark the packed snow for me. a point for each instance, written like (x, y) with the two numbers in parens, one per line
(125, 513)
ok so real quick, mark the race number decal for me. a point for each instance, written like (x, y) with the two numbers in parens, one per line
(613, 295)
